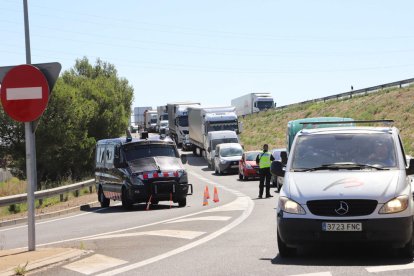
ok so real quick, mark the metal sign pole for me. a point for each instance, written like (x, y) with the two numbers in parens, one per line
(30, 151)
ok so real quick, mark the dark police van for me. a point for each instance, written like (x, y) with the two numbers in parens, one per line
(140, 170)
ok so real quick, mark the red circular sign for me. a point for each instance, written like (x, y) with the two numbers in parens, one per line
(24, 93)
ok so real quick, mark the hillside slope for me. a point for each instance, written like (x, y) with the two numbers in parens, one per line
(396, 104)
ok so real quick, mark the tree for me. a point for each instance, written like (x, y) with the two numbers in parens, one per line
(88, 103)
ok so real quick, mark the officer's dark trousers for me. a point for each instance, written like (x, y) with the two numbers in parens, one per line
(264, 176)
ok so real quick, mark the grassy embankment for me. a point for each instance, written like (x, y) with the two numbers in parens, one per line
(396, 104)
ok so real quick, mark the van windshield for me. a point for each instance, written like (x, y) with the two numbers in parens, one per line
(215, 142)
(134, 152)
(228, 152)
(333, 151)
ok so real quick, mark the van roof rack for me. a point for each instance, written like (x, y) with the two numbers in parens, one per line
(385, 122)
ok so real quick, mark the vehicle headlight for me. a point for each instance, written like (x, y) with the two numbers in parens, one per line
(289, 206)
(395, 205)
(248, 166)
(136, 180)
(223, 161)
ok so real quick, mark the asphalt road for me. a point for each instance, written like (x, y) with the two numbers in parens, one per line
(236, 236)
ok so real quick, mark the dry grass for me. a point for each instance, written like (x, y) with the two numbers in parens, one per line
(12, 187)
(396, 104)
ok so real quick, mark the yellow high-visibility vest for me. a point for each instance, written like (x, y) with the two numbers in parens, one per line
(264, 160)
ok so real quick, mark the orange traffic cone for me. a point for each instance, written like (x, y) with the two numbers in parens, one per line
(207, 192)
(215, 199)
(205, 199)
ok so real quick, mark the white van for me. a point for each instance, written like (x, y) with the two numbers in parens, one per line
(227, 158)
(218, 137)
(346, 184)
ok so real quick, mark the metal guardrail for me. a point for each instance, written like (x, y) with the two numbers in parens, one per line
(350, 94)
(14, 199)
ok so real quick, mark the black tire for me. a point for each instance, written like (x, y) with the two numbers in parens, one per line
(102, 199)
(182, 202)
(284, 250)
(154, 201)
(408, 250)
(195, 151)
(126, 201)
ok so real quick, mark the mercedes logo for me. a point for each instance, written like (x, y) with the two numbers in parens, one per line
(343, 208)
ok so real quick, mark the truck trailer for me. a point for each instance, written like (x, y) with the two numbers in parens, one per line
(150, 118)
(205, 122)
(139, 119)
(162, 117)
(252, 103)
(178, 120)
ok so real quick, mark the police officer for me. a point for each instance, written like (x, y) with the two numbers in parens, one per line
(264, 159)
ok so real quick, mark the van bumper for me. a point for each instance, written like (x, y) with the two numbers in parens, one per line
(161, 191)
(395, 232)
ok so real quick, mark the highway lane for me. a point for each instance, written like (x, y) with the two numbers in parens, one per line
(230, 241)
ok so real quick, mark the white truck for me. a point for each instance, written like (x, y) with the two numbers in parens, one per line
(139, 119)
(178, 120)
(252, 103)
(209, 126)
(150, 118)
(162, 118)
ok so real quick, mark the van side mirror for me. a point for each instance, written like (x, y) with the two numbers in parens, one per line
(183, 158)
(209, 149)
(276, 168)
(410, 169)
(283, 157)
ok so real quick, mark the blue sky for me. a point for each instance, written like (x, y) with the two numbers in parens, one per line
(213, 51)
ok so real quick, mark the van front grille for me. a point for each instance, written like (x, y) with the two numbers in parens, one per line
(342, 208)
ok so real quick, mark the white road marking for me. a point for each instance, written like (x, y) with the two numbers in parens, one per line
(377, 269)
(239, 204)
(181, 234)
(314, 274)
(186, 247)
(209, 218)
(24, 93)
(53, 220)
(94, 264)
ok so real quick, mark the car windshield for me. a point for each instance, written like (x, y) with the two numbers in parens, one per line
(344, 151)
(215, 142)
(134, 152)
(231, 151)
(251, 156)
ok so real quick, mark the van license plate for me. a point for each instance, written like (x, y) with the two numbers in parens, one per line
(342, 226)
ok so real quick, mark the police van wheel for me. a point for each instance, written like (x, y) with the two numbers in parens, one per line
(126, 202)
(182, 202)
(102, 199)
(284, 250)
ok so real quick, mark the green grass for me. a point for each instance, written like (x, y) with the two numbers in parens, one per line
(396, 104)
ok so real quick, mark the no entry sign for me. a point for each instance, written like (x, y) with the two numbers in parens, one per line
(24, 93)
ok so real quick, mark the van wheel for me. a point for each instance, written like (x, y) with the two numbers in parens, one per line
(408, 250)
(284, 250)
(182, 202)
(126, 202)
(102, 199)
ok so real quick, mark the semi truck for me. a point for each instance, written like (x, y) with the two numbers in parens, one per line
(150, 120)
(209, 126)
(139, 119)
(178, 120)
(252, 103)
(162, 117)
